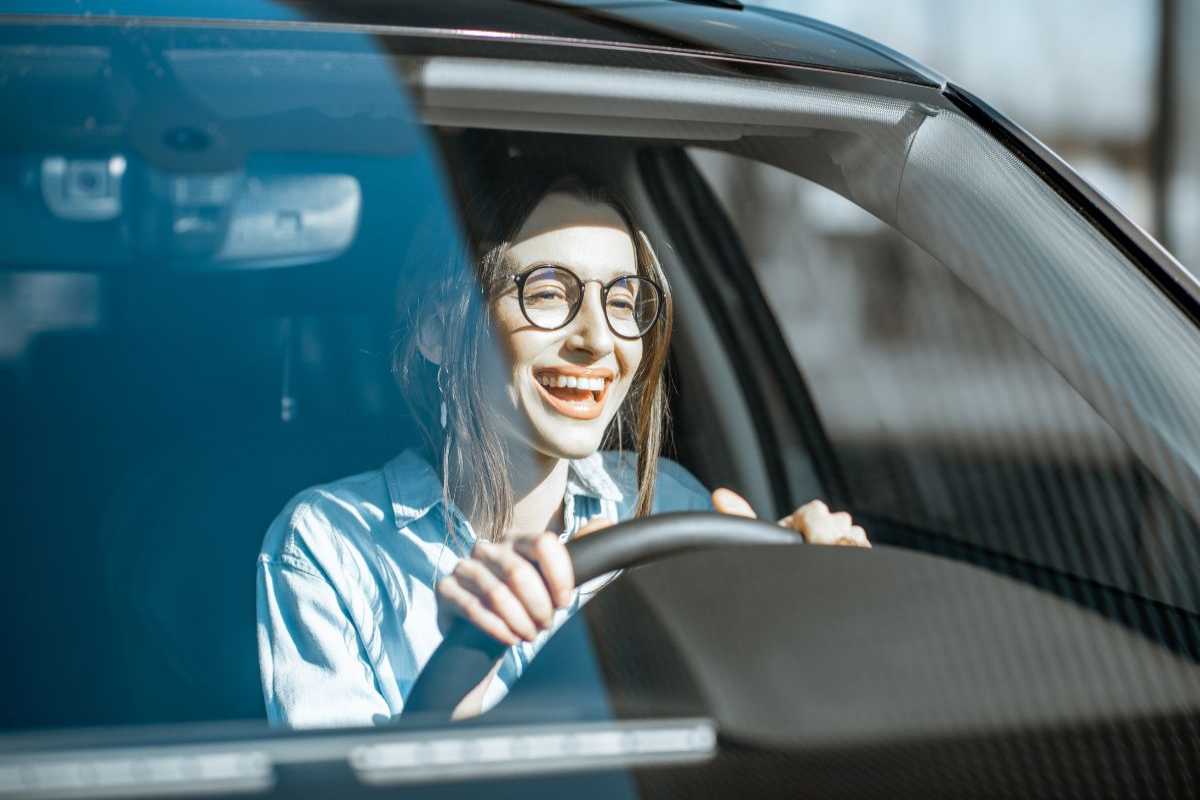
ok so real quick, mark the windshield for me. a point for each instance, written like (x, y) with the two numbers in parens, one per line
(204, 233)
(315, 344)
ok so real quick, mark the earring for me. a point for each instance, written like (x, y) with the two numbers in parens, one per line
(442, 393)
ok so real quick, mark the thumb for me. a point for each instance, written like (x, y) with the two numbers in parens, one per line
(726, 501)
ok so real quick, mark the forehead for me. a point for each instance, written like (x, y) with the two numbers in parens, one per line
(589, 238)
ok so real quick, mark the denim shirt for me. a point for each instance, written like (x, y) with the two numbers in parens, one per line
(347, 603)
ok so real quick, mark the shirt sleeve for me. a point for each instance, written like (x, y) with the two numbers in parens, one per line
(314, 670)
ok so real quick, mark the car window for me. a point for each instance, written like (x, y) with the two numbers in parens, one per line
(942, 415)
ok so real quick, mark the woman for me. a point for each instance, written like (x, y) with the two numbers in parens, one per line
(516, 387)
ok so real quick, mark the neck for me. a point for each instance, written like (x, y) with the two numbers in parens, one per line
(539, 483)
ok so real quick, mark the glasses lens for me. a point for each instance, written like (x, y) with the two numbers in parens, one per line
(632, 306)
(549, 296)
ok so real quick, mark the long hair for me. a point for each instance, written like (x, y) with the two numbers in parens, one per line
(470, 452)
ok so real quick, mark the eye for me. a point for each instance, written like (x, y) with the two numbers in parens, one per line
(621, 295)
(545, 294)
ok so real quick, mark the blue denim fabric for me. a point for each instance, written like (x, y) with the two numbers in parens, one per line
(347, 610)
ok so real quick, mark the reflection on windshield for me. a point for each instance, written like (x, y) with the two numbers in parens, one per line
(260, 218)
(293, 217)
(152, 374)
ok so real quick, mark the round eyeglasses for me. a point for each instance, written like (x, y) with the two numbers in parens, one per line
(551, 296)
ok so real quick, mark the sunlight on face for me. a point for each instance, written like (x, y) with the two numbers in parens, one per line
(566, 385)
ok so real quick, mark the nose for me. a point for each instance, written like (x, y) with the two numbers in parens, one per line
(589, 329)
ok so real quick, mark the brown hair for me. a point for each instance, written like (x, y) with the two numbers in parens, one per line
(470, 450)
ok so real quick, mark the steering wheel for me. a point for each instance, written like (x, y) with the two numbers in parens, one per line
(467, 654)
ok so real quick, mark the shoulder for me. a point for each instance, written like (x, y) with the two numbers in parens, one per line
(675, 489)
(320, 525)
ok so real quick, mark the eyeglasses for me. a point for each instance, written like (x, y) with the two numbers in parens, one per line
(551, 296)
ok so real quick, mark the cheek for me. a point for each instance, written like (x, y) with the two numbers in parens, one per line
(514, 344)
(629, 357)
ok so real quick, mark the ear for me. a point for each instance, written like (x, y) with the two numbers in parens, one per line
(430, 336)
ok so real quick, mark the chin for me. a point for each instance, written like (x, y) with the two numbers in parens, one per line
(572, 447)
(558, 436)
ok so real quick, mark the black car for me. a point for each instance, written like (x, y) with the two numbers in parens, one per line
(207, 211)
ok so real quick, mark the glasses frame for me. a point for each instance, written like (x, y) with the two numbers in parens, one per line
(522, 277)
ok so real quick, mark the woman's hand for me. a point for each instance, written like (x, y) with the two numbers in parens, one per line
(813, 520)
(510, 590)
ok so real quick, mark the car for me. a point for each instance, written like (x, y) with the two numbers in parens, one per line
(207, 210)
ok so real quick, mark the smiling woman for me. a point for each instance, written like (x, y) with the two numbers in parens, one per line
(520, 369)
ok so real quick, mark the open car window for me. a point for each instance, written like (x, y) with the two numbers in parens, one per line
(946, 421)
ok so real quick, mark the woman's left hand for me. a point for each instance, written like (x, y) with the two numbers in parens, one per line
(814, 521)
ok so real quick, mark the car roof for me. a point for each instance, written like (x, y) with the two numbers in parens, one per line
(709, 27)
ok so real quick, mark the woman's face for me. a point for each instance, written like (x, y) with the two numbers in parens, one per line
(591, 240)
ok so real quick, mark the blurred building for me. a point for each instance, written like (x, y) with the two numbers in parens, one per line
(1081, 75)
(1180, 160)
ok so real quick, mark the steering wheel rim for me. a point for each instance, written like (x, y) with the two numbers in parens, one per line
(467, 654)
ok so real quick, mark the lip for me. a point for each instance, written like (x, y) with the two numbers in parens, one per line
(576, 409)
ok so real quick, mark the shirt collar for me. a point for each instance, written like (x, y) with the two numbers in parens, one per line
(588, 476)
(415, 487)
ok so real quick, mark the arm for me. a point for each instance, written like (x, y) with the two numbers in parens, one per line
(314, 669)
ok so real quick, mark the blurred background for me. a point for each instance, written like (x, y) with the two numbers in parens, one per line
(1104, 83)
(943, 416)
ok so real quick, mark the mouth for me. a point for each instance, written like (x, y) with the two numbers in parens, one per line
(573, 392)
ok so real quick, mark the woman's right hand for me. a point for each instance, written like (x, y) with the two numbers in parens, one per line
(510, 590)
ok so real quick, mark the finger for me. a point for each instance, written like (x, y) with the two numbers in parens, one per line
(468, 606)
(495, 596)
(552, 559)
(597, 524)
(806, 518)
(808, 515)
(828, 533)
(522, 578)
(727, 501)
(819, 526)
(841, 521)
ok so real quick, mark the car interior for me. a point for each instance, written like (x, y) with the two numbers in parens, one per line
(212, 399)
(215, 394)
(191, 391)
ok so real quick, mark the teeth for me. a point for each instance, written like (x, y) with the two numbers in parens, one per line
(569, 382)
